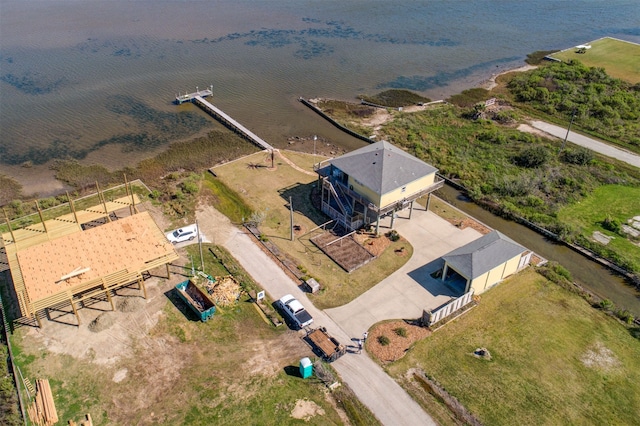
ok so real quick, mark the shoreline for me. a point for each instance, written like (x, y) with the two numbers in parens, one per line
(490, 83)
(42, 183)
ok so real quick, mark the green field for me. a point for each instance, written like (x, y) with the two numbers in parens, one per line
(619, 203)
(621, 59)
(555, 359)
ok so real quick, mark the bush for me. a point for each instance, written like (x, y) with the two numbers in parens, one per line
(625, 316)
(400, 331)
(384, 340)
(580, 156)
(611, 224)
(532, 157)
(393, 235)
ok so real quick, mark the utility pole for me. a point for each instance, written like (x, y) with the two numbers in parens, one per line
(200, 245)
(573, 115)
(315, 138)
(291, 209)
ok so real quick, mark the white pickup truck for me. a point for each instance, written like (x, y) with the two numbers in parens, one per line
(294, 311)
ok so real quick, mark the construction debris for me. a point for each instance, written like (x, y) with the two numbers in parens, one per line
(43, 410)
(225, 291)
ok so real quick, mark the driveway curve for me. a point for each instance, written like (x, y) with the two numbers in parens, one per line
(380, 393)
(411, 289)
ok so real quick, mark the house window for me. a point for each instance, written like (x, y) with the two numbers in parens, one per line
(404, 189)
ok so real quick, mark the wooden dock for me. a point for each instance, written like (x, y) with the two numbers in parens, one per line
(232, 124)
(189, 97)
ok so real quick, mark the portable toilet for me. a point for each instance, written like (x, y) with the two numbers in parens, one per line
(306, 368)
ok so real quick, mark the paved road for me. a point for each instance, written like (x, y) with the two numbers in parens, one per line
(587, 142)
(379, 392)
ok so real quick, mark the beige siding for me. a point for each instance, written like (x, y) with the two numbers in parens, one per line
(364, 191)
(411, 188)
(497, 274)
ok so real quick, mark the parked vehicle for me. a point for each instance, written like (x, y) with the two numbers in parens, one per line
(199, 303)
(187, 233)
(293, 310)
(328, 347)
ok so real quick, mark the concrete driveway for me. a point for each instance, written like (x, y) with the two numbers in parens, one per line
(380, 393)
(411, 289)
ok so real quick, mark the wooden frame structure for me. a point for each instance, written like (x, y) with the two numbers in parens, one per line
(56, 261)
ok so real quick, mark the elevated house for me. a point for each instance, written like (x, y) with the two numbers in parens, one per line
(373, 182)
(484, 262)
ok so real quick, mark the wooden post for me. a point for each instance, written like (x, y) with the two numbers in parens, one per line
(38, 319)
(13, 237)
(168, 271)
(393, 217)
(73, 208)
(428, 201)
(75, 311)
(104, 203)
(106, 291)
(291, 210)
(129, 194)
(144, 288)
(42, 218)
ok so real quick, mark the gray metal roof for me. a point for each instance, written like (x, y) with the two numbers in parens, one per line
(382, 167)
(482, 255)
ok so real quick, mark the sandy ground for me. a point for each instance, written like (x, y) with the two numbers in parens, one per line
(491, 82)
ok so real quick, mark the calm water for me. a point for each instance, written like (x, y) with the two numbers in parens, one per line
(83, 78)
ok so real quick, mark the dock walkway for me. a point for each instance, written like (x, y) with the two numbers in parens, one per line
(225, 119)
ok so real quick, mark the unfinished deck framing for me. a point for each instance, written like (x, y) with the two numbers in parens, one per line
(56, 261)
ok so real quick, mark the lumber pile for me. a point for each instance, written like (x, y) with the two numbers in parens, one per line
(43, 410)
(226, 291)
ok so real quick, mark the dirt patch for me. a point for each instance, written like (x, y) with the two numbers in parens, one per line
(305, 410)
(129, 304)
(469, 223)
(375, 244)
(109, 338)
(599, 356)
(398, 344)
(102, 322)
(120, 375)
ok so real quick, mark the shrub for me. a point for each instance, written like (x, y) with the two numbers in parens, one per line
(532, 157)
(611, 224)
(625, 316)
(393, 235)
(400, 331)
(580, 156)
(384, 340)
(605, 304)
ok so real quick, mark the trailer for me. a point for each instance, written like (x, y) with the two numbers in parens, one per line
(328, 347)
(199, 303)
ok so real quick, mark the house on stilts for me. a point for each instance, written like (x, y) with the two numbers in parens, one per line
(376, 181)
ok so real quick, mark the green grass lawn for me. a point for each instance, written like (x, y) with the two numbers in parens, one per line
(620, 203)
(555, 359)
(621, 59)
(267, 192)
